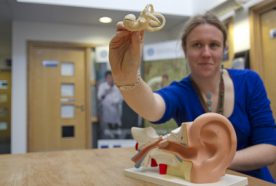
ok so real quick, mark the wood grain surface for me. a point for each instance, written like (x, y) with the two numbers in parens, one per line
(99, 167)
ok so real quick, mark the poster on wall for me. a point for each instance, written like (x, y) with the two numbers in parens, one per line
(163, 63)
(160, 73)
(115, 118)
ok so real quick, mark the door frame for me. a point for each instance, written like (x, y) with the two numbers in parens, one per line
(88, 66)
(256, 54)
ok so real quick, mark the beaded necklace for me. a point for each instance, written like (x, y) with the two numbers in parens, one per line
(208, 105)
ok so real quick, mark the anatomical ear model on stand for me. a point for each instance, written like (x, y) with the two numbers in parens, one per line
(198, 151)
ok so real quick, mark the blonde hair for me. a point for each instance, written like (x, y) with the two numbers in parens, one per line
(207, 18)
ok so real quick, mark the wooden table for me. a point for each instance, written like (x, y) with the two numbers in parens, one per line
(100, 167)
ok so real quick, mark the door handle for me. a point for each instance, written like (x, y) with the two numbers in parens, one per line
(67, 100)
(81, 107)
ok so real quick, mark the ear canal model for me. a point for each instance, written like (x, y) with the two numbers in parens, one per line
(215, 140)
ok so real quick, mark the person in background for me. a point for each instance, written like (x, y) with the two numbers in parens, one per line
(110, 100)
(239, 95)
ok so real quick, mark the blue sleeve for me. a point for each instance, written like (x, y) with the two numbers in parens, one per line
(260, 114)
(171, 101)
(182, 103)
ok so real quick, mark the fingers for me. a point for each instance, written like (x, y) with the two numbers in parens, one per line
(120, 26)
(118, 39)
(137, 39)
(124, 36)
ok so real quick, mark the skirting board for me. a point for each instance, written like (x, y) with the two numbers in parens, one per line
(152, 175)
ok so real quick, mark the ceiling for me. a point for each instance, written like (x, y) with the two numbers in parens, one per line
(10, 10)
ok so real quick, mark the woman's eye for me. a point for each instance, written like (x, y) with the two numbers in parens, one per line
(197, 45)
(214, 45)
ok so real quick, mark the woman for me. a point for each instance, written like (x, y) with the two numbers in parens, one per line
(237, 94)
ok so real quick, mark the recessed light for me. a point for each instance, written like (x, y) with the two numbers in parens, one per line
(105, 20)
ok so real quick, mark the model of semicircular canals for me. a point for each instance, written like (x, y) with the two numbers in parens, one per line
(148, 20)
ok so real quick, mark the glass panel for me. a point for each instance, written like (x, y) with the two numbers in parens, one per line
(3, 98)
(3, 111)
(3, 125)
(3, 84)
(68, 131)
(67, 111)
(67, 69)
(67, 90)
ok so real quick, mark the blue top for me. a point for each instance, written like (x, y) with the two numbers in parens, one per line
(252, 117)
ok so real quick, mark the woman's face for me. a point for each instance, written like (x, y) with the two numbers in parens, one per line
(204, 50)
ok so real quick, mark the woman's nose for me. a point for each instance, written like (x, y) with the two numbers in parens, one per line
(206, 51)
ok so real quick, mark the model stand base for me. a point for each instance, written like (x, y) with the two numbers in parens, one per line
(152, 175)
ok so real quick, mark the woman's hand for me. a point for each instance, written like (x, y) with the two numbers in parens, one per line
(125, 55)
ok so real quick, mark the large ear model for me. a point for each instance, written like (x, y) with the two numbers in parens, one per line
(211, 146)
(199, 151)
(215, 140)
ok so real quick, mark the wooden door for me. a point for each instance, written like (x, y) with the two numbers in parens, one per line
(5, 106)
(58, 109)
(263, 46)
(268, 33)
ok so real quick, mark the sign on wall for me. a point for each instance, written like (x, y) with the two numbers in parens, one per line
(163, 50)
(102, 54)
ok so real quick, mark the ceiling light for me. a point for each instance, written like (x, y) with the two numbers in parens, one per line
(105, 20)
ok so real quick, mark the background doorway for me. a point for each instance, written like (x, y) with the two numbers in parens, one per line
(58, 96)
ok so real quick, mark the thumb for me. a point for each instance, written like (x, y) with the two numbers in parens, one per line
(136, 41)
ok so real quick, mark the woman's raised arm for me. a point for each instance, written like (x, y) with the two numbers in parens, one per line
(125, 59)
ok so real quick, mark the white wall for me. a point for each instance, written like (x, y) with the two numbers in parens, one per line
(241, 31)
(205, 5)
(171, 7)
(24, 31)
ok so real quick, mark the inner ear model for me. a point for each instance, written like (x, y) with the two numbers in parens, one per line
(198, 151)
